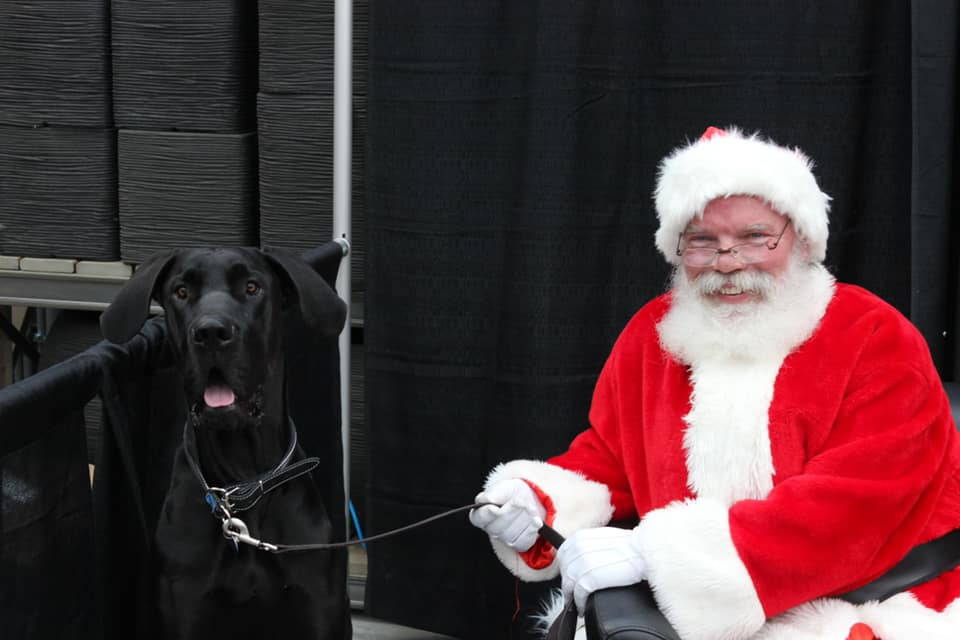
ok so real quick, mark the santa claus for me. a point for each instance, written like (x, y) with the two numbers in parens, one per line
(781, 438)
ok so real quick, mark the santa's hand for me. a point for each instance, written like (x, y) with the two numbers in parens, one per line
(600, 558)
(518, 518)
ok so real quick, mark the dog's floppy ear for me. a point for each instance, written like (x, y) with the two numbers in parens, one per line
(319, 305)
(131, 306)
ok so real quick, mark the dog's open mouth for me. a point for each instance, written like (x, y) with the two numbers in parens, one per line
(217, 394)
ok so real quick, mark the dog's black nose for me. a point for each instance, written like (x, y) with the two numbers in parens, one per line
(212, 333)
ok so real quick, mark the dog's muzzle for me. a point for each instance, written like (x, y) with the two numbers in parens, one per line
(212, 333)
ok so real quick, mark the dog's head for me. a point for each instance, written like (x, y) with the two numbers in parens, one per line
(223, 310)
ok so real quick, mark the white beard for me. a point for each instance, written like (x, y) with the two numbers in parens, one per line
(784, 315)
(734, 354)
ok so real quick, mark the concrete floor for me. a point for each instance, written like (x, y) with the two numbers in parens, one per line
(365, 628)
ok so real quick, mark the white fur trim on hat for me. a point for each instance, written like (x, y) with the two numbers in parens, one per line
(728, 163)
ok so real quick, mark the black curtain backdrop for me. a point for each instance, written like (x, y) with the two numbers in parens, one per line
(512, 154)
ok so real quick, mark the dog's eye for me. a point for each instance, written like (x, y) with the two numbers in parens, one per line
(253, 288)
(181, 292)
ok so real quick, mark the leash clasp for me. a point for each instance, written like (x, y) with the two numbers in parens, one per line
(236, 530)
(219, 501)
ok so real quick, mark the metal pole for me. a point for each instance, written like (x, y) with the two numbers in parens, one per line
(342, 159)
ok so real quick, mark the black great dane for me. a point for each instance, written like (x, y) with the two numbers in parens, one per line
(239, 457)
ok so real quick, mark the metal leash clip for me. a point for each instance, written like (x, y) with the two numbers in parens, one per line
(235, 529)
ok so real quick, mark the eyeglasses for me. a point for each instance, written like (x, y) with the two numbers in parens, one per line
(705, 255)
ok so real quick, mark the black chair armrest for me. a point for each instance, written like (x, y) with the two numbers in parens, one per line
(626, 613)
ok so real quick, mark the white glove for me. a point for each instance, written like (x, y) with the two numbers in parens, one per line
(599, 558)
(518, 518)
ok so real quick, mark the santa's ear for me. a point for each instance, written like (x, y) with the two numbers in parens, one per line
(802, 247)
(131, 306)
(317, 302)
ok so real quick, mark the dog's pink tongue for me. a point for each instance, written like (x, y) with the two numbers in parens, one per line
(218, 396)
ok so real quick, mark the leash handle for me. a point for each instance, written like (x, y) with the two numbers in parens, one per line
(551, 535)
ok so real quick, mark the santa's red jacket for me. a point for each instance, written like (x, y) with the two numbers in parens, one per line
(765, 487)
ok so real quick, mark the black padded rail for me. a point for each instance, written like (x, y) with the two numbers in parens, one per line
(923, 563)
(73, 332)
(181, 189)
(58, 197)
(55, 63)
(181, 64)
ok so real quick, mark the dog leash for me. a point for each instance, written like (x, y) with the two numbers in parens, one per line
(225, 502)
(235, 529)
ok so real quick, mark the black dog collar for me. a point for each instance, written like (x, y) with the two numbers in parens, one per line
(226, 501)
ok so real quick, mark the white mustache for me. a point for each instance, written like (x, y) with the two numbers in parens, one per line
(757, 282)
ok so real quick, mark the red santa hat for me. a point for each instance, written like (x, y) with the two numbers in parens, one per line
(726, 163)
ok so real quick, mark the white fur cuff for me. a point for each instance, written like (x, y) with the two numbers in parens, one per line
(579, 503)
(699, 581)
